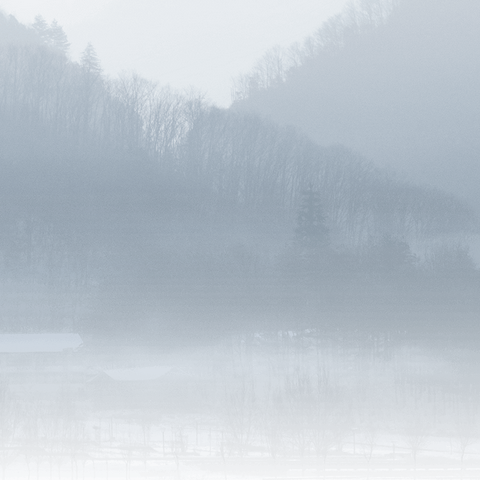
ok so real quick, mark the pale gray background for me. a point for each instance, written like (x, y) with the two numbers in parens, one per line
(200, 43)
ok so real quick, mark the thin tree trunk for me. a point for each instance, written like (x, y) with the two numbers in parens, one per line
(318, 464)
(414, 465)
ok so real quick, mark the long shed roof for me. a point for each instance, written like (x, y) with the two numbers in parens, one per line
(39, 342)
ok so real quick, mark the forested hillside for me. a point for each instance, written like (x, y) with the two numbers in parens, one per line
(13, 31)
(127, 204)
(395, 80)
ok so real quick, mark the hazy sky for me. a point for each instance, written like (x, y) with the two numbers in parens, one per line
(201, 43)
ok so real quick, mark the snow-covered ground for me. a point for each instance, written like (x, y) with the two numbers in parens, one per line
(204, 437)
(116, 471)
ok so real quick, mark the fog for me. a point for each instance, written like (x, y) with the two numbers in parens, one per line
(286, 288)
(184, 43)
(394, 80)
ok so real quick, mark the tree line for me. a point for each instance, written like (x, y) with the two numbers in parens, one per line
(307, 414)
(303, 414)
(405, 101)
(41, 432)
(111, 184)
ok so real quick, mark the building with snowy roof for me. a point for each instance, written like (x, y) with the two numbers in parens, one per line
(42, 362)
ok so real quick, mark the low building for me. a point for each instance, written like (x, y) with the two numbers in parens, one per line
(164, 387)
(42, 362)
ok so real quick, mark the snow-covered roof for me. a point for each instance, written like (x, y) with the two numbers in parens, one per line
(38, 342)
(137, 374)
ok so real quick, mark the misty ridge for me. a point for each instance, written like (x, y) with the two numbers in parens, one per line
(393, 79)
(127, 205)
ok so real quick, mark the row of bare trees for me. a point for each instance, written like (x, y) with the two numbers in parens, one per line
(108, 180)
(274, 68)
(41, 432)
(54, 435)
(240, 159)
(308, 413)
(302, 412)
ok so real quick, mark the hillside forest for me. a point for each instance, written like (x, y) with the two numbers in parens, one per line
(132, 208)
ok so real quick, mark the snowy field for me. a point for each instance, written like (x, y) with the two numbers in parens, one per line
(116, 471)
(203, 437)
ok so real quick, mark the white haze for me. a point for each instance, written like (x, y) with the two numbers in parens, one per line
(185, 43)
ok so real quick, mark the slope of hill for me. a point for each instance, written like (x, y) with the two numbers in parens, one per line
(122, 201)
(401, 89)
(13, 31)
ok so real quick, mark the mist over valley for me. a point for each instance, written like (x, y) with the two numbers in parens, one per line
(284, 288)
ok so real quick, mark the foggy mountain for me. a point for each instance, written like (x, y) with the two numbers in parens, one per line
(124, 202)
(13, 31)
(393, 80)
(193, 292)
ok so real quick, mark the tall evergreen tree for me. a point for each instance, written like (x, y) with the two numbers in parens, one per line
(41, 28)
(311, 234)
(90, 62)
(58, 37)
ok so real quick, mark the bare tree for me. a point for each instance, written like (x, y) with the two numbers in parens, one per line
(298, 400)
(225, 449)
(59, 447)
(271, 424)
(369, 440)
(10, 423)
(28, 442)
(416, 435)
(75, 442)
(50, 432)
(31, 435)
(126, 451)
(176, 457)
(145, 422)
(465, 432)
(239, 414)
(181, 441)
(32, 417)
(330, 418)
